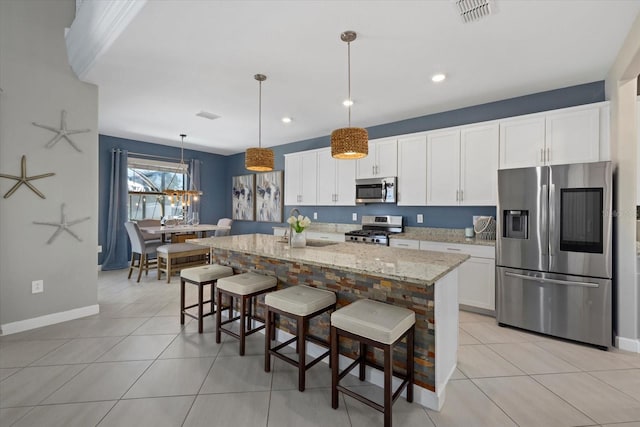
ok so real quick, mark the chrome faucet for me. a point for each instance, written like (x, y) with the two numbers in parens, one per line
(291, 213)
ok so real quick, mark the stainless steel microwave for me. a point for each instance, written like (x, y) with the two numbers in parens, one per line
(376, 190)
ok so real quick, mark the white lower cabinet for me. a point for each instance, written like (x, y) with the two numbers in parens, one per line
(476, 276)
(330, 237)
(404, 243)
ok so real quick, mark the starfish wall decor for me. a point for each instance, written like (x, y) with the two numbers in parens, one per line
(24, 179)
(63, 132)
(63, 225)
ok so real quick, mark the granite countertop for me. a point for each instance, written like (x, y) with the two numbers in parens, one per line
(444, 235)
(419, 267)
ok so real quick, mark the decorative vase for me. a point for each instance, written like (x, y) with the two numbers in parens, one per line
(298, 240)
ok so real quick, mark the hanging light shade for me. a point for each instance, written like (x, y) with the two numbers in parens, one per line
(257, 158)
(349, 142)
(182, 198)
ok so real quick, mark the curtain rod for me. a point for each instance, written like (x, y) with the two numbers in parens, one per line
(153, 156)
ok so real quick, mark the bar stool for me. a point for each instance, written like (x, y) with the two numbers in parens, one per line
(245, 287)
(379, 325)
(201, 276)
(300, 303)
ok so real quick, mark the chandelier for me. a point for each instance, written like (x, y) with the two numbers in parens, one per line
(349, 142)
(259, 159)
(182, 198)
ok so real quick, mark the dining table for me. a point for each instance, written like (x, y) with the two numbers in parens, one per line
(172, 230)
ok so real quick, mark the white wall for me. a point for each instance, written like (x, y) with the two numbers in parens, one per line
(37, 84)
(620, 87)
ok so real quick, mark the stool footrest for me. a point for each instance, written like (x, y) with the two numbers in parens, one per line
(361, 398)
(284, 344)
(246, 333)
(196, 304)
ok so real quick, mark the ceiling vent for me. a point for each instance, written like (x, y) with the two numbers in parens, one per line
(208, 115)
(473, 10)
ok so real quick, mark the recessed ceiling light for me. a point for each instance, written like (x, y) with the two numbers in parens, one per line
(437, 78)
(347, 102)
(286, 120)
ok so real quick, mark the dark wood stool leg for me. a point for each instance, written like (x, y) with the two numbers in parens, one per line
(363, 360)
(267, 339)
(388, 391)
(243, 307)
(182, 304)
(218, 318)
(301, 344)
(200, 308)
(334, 369)
(410, 362)
(213, 288)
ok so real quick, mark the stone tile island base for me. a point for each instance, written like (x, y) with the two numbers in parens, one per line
(435, 347)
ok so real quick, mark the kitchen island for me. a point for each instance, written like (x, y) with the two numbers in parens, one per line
(423, 281)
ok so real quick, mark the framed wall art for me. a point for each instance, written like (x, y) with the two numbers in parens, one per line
(243, 197)
(269, 200)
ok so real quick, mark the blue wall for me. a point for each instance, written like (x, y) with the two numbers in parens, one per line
(215, 202)
(217, 171)
(434, 216)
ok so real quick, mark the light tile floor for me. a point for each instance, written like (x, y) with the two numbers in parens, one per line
(134, 365)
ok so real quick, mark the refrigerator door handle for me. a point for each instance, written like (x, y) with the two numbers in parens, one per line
(554, 281)
(552, 219)
(544, 209)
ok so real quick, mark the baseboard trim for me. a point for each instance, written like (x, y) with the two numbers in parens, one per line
(628, 344)
(49, 319)
(421, 395)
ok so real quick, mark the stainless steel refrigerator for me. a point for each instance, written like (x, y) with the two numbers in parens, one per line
(553, 251)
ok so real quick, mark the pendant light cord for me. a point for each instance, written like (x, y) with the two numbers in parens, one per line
(260, 114)
(349, 78)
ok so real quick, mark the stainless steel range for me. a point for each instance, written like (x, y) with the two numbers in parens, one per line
(376, 230)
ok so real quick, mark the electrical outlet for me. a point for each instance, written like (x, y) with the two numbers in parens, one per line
(419, 219)
(354, 216)
(315, 215)
(37, 286)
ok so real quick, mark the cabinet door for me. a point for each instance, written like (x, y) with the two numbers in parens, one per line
(443, 168)
(476, 283)
(522, 142)
(345, 180)
(573, 137)
(479, 165)
(327, 178)
(404, 243)
(365, 168)
(308, 178)
(412, 171)
(292, 187)
(387, 158)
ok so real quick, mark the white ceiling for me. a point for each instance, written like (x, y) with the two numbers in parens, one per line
(178, 58)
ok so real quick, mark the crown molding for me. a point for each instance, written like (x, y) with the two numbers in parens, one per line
(96, 26)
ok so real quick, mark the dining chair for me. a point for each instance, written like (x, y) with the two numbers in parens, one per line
(224, 222)
(148, 237)
(145, 250)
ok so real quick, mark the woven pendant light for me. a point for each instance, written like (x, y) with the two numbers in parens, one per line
(259, 159)
(349, 142)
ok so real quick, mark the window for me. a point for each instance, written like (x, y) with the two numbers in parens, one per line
(147, 179)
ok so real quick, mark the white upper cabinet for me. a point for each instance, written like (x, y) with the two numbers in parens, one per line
(382, 160)
(573, 137)
(462, 166)
(443, 167)
(336, 180)
(522, 142)
(412, 171)
(300, 178)
(570, 135)
(479, 165)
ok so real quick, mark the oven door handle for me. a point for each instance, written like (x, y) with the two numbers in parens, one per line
(554, 281)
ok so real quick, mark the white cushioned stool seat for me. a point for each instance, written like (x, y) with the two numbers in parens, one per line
(246, 283)
(300, 300)
(179, 247)
(380, 322)
(206, 273)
